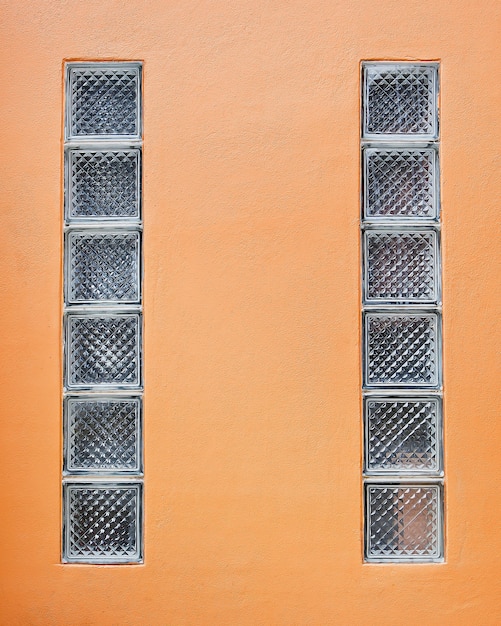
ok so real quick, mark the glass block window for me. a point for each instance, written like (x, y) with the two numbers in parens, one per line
(102, 522)
(102, 434)
(400, 100)
(103, 266)
(403, 435)
(402, 349)
(401, 314)
(103, 100)
(404, 522)
(400, 183)
(103, 184)
(103, 386)
(400, 266)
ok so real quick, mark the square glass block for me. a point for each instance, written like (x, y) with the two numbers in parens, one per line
(103, 267)
(103, 100)
(400, 100)
(102, 522)
(102, 435)
(400, 266)
(103, 350)
(401, 349)
(403, 522)
(103, 184)
(403, 435)
(400, 183)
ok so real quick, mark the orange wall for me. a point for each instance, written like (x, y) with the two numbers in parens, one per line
(253, 426)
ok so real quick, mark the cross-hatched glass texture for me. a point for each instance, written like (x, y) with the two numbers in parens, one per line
(103, 184)
(400, 183)
(102, 435)
(103, 100)
(401, 350)
(400, 266)
(402, 435)
(103, 266)
(103, 350)
(102, 522)
(400, 100)
(403, 522)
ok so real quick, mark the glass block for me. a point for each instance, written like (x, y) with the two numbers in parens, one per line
(400, 100)
(400, 266)
(403, 522)
(103, 266)
(103, 184)
(401, 350)
(103, 100)
(402, 435)
(102, 522)
(400, 183)
(103, 350)
(102, 435)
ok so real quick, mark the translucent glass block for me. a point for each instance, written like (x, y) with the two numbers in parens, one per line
(103, 350)
(103, 99)
(400, 100)
(402, 435)
(103, 266)
(401, 350)
(102, 522)
(103, 184)
(403, 522)
(400, 266)
(400, 183)
(102, 435)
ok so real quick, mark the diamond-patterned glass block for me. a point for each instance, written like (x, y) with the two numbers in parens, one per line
(403, 522)
(400, 183)
(103, 184)
(102, 522)
(103, 99)
(103, 350)
(102, 435)
(402, 435)
(401, 350)
(400, 266)
(400, 100)
(102, 267)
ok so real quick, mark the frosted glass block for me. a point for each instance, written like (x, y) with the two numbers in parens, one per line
(102, 435)
(400, 100)
(103, 184)
(103, 266)
(403, 522)
(400, 266)
(402, 435)
(400, 183)
(102, 522)
(103, 350)
(401, 350)
(103, 100)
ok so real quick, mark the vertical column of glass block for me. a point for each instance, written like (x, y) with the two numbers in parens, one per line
(401, 292)
(103, 384)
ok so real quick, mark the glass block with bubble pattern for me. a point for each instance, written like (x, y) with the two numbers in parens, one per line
(103, 267)
(401, 266)
(102, 435)
(400, 100)
(103, 184)
(403, 522)
(103, 100)
(103, 350)
(403, 435)
(400, 183)
(401, 349)
(102, 522)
